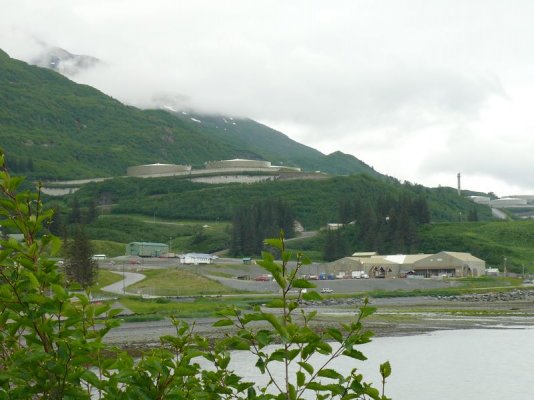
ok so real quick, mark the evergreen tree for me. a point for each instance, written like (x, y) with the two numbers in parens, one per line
(75, 216)
(473, 215)
(79, 264)
(56, 223)
(346, 211)
(92, 213)
(330, 251)
(335, 245)
(253, 223)
(421, 211)
(13, 165)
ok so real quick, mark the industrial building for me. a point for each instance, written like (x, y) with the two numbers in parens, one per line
(146, 249)
(445, 263)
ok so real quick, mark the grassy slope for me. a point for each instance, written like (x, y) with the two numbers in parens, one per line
(176, 282)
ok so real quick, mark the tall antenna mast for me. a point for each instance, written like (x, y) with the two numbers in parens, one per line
(459, 185)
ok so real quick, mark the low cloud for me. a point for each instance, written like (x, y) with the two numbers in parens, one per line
(413, 90)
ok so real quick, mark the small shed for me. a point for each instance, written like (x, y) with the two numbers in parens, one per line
(146, 249)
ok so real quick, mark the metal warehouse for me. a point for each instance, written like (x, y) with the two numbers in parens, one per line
(146, 249)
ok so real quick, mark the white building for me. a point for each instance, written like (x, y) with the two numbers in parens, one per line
(197, 258)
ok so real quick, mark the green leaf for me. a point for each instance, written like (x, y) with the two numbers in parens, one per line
(353, 353)
(305, 260)
(278, 355)
(264, 337)
(60, 293)
(223, 322)
(227, 312)
(276, 303)
(335, 334)
(315, 386)
(329, 373)
(286, 256)
(114, 312)
(292, 392)
(282, 282)
(365, 311)
(385, 370)
(301, 378)
(307, 367)
(302, 284)
(276, 243)
(312, 296)
(260, 364)
(324, 348)
(224, 361)
(292, 305)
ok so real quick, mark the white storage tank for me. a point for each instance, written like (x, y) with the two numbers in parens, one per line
(238, 163)
(157, 169)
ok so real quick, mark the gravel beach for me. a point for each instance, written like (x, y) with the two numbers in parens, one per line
(394, 317)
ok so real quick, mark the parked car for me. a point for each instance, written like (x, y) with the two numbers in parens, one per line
(326, 290)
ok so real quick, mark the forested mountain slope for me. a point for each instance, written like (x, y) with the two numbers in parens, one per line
(53, 128)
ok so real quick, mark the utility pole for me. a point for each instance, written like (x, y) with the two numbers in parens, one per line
(123, 280)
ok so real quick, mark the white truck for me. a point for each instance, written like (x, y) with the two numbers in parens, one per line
(359, 275)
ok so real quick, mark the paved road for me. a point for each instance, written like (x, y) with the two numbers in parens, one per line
(129, 279)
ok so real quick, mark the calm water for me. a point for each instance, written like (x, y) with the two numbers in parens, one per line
(478, 364)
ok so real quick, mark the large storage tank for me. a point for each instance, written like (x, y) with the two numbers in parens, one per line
(508, 202)
(238, 163)
(157, 169)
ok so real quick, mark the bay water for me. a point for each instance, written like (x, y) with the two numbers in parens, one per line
(474, 364)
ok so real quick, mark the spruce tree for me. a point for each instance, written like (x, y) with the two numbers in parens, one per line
(75, 216)
(79, 264)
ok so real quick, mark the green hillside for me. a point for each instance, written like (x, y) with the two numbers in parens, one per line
(491, 241)
(315, 203)
(53, 128)
(74, 131)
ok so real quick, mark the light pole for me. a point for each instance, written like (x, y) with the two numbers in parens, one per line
(123, 280)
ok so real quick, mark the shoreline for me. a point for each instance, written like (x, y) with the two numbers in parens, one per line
(401, 316)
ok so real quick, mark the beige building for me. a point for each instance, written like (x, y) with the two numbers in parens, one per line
(450, 263)
(445, 263)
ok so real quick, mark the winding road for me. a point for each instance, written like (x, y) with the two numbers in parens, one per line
(129, 278)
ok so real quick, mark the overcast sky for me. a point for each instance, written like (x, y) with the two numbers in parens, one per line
(418, 89)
